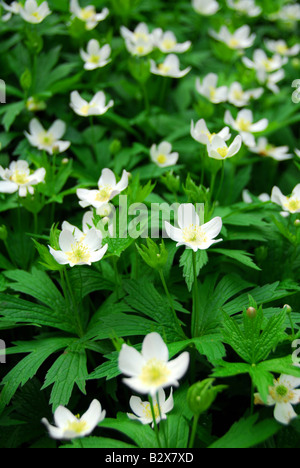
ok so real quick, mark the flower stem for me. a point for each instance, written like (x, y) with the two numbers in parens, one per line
(194, 430)
(154, 421)
(162, 277)
(162, 426)
(75, 304)
(221, 181)
(196, 309)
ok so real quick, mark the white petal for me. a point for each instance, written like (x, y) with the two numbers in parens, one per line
(284, 413)
(155, 347)
(93, 415)
(130, 361)
(213, 227)
(187, 215)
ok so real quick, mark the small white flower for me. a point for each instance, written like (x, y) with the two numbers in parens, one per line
(151, 369)
(263, 64)
(273, 79)
(264, 148)
(77, 247)
(142, 409)
(263, 197)
(167, 42)
(190, 233)
(13, 9)
(162, 154)
(139, 42)
(246, 7)
(208, 88)
(88, 14)
(205, 7)
(170, 67)
(245, 126)
(19, 178)
(70, 427)
(240, 98)
(108, 188)
(290, 205)
(95, 56)
(280, 47)
(283, 395)
(34, 104)
(48, 140)
(201, 133)
(95, 107)
(218, 148)
(240, 39)
(34, 13)
(289, 13)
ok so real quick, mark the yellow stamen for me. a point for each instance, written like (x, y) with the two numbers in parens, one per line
(79, 253)
(292, 204)
(155, 372)
(77, 426)
(20, 178)
(244, 125)
(161, 158)
(194, 234)
(233, 43)
(223, 151)
(103, 194)
(168, 44)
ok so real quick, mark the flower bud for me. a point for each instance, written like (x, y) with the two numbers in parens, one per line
(115, 147)
(201, 395)
(251, 312)
(288, 308)
(155, 256)
(297, 223)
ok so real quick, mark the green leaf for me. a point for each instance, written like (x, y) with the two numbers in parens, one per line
(186, 261)
(240, 256)
(98, 442)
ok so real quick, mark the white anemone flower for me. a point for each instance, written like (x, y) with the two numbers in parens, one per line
(167, 42)
(240, 98)
(139, 42)
(18, 178)
(34, 13)
(34, 104)
(283, 395)
(13, 9)
(95, 107)
(170, 67)
(205, 7)
(201, 133)
(273, 79)
(77, 247)
(142, 409)
(162, 154)
(48, 140)
(95, 56)
(151, 369)
(280, 47)
(264, 64)
(218, 148)
(289, 13)
(245, 126)
(245, 7)
(290, 205)
(88, 14)
(67, 426)
(240, 39)
(190, 233)
(208, 88)
(264, 148)
(108, 188)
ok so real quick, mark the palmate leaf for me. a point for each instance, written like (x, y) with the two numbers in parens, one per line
(186, 261)
(240, 256)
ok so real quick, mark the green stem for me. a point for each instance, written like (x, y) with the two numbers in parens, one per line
(194, 431)
(162, 426)
(221, 181)
(170, 301)
(196, 309)
(154, 421)
(75, 304)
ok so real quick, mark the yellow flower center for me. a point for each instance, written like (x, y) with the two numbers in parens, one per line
(233, 43)
(281, 49)
(161, 158)
(212, 92)
(140, 50)
(238, 94)
(168, 44)
(20, 178)
(87, 14)
(103, 194)
(85, 109)
(163, 68)
(46, 139)
(292, 204)
(281, 394)
(194, 233)
(94, 58)
(77, 426)
(155, 372)
(210, 136)
(36, 15)
(223, 151)
(244, 125)
(268, 64)
(147, 411)
(79, 253)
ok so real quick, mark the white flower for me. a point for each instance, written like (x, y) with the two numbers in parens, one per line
(289, 13)
(142, 409)
(264, 148)
(13, 9)
(95, 107)
(205, 7)
(240, 39)
(218, 148)
(34, 13)
(34, 104)
(77, 247)
(283, 395)
(95, 56)
(151, 369)
(167, 42)
(88, 14)
(240, 98)
(263, 64)
(19, 178)
(162, 155)
(263, 197)
(209, 89)
(273, 79)
(290, 204)
(69, 426)
(245, 126)
(48, 140)
(108, 188)
(190, 233)
(170, 67)
(246, 7)
(280, 47)
(201, 133)
(139, 42)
